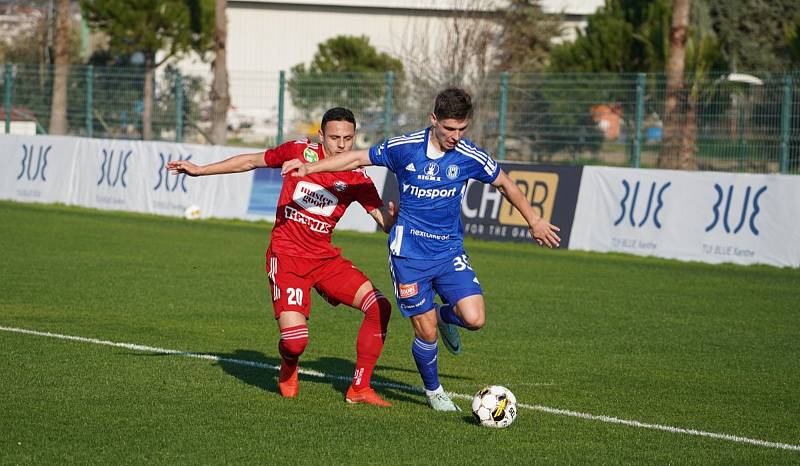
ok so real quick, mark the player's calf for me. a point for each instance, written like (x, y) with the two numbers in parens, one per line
(371, 336)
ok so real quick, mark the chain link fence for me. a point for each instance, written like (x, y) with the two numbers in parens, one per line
(744, 122)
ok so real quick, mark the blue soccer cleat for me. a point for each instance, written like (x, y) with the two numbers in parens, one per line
(449, 333)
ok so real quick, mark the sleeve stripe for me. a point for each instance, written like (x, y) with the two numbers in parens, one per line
(393, 142)
(464, 148)
(489, 165)
(486, 167)
(414, 135)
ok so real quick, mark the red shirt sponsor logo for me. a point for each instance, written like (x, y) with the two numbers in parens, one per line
(408, 290)
(314, 198)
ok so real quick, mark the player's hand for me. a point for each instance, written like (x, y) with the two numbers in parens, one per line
(300, 172)
(393, 210)
(290, 165)
(545, 234)
(183, 166)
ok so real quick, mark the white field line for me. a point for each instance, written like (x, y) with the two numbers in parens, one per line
(409, 388)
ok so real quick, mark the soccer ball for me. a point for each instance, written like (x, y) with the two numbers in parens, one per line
(494, 406)
(192, 212)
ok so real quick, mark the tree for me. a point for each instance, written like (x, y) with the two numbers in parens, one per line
(625, 36)
(634, 36)
(345, 71)
(793, 42)
(526, 36)
(752, 33)
(32, 57)
(58, 106)
(173, 27)
(459, 49)
(220, 99)
(673, 154)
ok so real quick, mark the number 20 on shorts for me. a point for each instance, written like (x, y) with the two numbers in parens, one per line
(294, 296)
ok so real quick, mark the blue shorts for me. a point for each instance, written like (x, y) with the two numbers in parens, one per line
(415, 281)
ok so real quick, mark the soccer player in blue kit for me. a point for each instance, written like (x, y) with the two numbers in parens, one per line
(426, 251)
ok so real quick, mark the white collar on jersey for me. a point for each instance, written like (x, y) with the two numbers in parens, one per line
(432, 152)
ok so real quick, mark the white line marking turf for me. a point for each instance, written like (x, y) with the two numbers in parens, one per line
(545, 409)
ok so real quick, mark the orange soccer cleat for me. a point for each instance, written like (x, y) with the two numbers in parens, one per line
(287, 381)
(365, 395)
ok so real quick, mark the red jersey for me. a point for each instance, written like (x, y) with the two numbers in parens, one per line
(309, 207)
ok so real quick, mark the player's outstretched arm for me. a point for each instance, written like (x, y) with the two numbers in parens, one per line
(340, 163)
(385, 217)
(236, 164)
(543, 231)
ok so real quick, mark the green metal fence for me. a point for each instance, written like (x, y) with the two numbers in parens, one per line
(745, 122)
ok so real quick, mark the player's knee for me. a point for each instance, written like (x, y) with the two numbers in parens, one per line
(293, 342)
(292, 349)
(474, 321)
(428, 335)
(384, 307)
(375, 303)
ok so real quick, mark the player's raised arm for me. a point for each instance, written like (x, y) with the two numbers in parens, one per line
(543, 231)
(342, 162)
(236, 164)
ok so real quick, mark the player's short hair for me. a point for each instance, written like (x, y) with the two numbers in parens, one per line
(337, 114)
(453, 102)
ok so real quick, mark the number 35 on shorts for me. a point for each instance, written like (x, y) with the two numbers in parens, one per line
(461, 263)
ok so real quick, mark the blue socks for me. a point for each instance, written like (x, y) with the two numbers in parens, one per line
(425, 355)
(449, 316)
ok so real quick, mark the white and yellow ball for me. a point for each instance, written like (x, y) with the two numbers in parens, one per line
(494, 406)
(192, 212)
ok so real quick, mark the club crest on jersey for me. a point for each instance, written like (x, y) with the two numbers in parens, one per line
(430, 172)
(408, 290)
(310, 155)
(452, 172)
(339, 186)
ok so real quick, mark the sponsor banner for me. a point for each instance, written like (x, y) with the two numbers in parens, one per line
(551, 190)
(704, 216)
(486, 214)
(36, 169)
(118, 175)
(132, 176)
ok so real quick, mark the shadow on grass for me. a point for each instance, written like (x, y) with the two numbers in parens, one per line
(258, 370)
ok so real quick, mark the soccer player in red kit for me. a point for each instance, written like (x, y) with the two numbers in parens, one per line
(300, 255)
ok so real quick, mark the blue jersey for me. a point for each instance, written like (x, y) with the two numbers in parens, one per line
(431, 188)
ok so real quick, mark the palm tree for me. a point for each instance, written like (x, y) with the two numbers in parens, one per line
(58, 105)
(672, 153)
(219, 88)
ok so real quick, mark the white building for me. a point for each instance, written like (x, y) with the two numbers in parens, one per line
(266, 37)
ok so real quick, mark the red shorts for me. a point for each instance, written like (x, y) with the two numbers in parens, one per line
(291, 278)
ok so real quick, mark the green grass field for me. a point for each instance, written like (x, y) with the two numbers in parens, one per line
(715, 349)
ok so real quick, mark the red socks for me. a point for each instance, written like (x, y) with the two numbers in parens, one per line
(292, 344)
(371, 336)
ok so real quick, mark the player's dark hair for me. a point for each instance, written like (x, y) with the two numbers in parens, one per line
(453, 102)
(338, 114)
